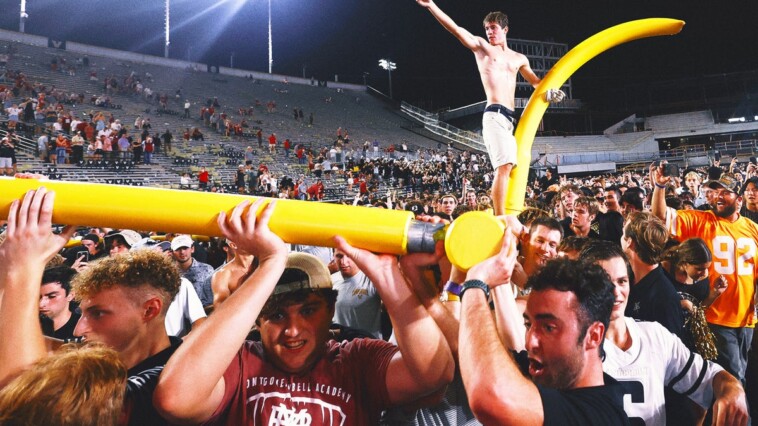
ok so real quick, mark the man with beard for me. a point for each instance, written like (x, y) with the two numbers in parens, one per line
(732, 240)
(566, 317)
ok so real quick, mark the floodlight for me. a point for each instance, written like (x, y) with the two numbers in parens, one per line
(389, 66)
(22, 17)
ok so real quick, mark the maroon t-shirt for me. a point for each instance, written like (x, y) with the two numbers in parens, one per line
(347, 386)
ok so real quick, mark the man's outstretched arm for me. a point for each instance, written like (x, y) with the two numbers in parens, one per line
(192, 384)
(469, 40)
(551, 95)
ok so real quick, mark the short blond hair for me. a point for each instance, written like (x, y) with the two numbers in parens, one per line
(143, 271)
(693, 174)
(77, 385)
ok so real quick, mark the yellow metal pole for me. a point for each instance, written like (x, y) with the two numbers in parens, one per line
(190, 212)
(561, 71)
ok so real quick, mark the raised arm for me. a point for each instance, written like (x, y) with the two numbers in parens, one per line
(424, 363)
(192, 386)
(28, 246)
(413, 267)
(508, 318)
(497, 391)
(658, 203)
(510, 323)
(733, 165)
(466, 38)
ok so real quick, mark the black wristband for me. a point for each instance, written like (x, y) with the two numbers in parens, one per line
(475, 284)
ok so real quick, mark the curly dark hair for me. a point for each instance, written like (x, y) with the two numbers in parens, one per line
(528, 215)
(573, 244)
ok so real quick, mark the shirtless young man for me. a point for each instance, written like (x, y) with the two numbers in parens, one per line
(498, 66)
(231, 275)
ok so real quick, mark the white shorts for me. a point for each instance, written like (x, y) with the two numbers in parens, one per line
(497, 131)
(6, 162)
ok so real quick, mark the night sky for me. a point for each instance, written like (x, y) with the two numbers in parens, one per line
(347, 37)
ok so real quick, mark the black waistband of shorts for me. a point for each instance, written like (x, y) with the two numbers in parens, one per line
(500, 109)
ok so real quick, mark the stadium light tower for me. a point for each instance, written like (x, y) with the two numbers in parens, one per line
(22, 17)
(389, 66)
(165, 47)
(270, 50)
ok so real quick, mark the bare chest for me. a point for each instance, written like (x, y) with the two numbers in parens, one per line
(498, 61)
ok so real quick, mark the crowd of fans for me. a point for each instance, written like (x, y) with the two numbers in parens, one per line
(615, 299)
(64, 136)
(678, 321)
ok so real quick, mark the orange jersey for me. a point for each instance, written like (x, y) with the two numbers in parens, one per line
(734, 246)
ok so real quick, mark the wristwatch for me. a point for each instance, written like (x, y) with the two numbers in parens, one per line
(475, 284)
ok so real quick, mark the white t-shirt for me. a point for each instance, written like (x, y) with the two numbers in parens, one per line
(656, 359)
(358, 304)
(183, 310)
(14, 111)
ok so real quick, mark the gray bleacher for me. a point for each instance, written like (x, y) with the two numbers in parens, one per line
(364, 116)
(680, 122)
